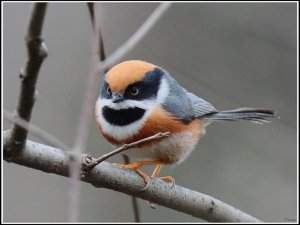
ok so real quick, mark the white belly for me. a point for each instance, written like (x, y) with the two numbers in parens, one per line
(173, 149)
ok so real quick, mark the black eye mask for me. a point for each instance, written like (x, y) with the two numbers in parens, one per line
(148, 87)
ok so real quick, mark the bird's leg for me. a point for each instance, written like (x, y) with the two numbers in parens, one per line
(135, 167)
(155, 174)
(166, 178)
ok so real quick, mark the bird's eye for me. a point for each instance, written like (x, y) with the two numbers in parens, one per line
(134, 91)
(108, 91)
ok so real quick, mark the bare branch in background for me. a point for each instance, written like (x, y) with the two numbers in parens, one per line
(101, 49)
(85, 117)
(135, 38)
(37, 52)
(34, 130)
(53, 160)
(83, 128)
(92, 13)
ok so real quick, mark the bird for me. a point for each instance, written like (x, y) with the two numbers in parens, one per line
(139, 99)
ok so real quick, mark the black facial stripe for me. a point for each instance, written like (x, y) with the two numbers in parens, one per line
(148, 87)
(104, 93)
(122, 117)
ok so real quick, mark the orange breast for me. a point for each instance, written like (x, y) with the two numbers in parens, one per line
(159, 121)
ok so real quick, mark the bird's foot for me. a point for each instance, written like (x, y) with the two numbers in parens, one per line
(135, 167)
(168, 179)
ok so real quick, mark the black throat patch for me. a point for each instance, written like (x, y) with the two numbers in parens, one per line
(122, 117)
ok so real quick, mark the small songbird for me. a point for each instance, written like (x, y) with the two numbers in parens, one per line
(139, 99)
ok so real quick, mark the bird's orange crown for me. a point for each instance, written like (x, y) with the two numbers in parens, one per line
(126, 73)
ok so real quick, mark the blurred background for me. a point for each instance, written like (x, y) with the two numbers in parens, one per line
(233, 55)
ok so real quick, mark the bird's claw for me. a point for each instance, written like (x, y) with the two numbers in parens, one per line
(151, 205)
(167, 179)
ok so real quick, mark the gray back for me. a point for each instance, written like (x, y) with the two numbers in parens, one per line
(184, 105)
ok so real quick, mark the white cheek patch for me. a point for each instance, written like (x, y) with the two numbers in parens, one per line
(121, 133)
(145, 104)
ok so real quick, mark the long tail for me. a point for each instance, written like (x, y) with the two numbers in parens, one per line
(258, 115)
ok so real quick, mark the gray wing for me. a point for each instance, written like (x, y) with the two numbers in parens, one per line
(178, 102)
(200, 106)
(184, 105)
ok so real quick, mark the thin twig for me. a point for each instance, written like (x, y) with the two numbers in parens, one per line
(136, 209)
(83, 127)
(126, 147)
(37, 52)
(53, 160)
(101, 49)
(92, 13)
(135, 38)
(81, 139)
(34, 130)
(102, 57)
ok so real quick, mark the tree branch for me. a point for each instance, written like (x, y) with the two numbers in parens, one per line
(135, 38)
(37, 51)
(53, 160)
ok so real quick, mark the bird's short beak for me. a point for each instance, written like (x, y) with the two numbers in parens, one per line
(117, 97)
